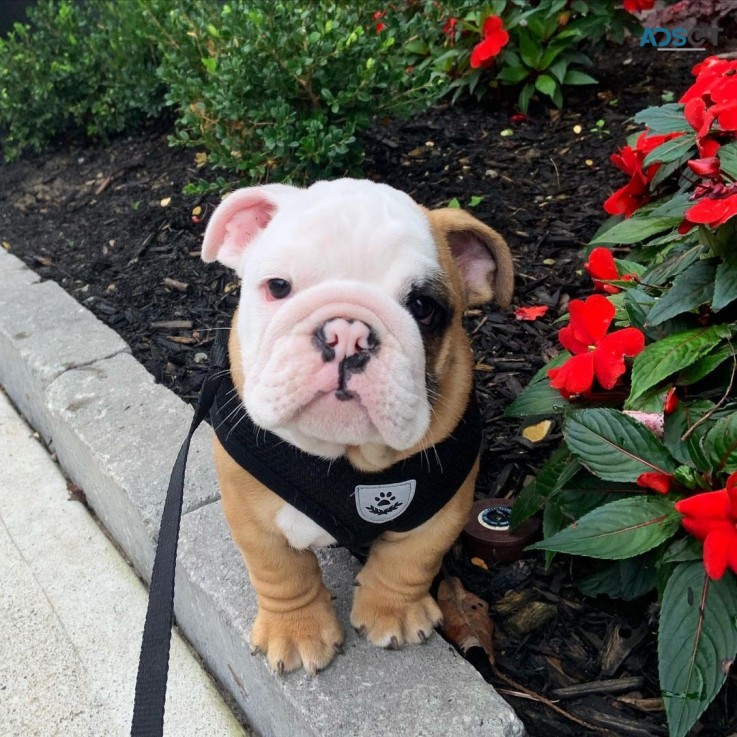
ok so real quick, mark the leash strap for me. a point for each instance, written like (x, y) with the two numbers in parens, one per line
(153, 664)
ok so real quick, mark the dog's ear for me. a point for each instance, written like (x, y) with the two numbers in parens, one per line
(238, 219)
(480, 253)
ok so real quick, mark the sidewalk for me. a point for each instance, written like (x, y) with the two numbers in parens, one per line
(72, 612)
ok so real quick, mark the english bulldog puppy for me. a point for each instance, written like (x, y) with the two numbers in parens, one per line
(350, 416)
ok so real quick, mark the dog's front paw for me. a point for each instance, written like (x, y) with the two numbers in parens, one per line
(310, 636)
(389, 621)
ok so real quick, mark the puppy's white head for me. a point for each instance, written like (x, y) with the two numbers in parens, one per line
(344, 293)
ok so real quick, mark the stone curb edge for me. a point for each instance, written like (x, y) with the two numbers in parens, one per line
(116, 434)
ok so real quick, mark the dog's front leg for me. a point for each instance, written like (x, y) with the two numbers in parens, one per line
(296, 623)
(392, 604)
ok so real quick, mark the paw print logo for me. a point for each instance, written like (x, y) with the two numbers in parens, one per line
(381, 503)
(385, 499)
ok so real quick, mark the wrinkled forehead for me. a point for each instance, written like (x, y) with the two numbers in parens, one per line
(359, 230)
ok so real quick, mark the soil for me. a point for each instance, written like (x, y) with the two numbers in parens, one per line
(111, 225)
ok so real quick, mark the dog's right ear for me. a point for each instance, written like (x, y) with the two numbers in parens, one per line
(238, 219)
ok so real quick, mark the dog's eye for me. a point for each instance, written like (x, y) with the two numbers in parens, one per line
(278, 288)
(424, 310)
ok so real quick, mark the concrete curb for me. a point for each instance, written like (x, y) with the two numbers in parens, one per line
(116, 434)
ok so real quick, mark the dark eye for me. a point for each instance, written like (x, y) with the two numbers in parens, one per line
(278, 288)
(423, 309)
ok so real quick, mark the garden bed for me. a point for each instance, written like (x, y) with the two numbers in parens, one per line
(112, 226)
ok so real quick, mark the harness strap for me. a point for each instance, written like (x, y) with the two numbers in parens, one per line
(153, 664)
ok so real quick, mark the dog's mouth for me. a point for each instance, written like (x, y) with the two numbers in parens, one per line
(337, 417)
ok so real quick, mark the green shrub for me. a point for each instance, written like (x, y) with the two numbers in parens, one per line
(274, 90)
(80, 69)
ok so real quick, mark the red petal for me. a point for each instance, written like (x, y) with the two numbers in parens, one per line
(590, 319)
(660, 482)
(575, 376)
(491, 24)
(694, 111)
(708, 147)
(707, 211)
(707, 167)
(530, 313)
(609, 355)
(601, 264)
(671, 401)
(711, 505)
(716, 550)
(569, 341)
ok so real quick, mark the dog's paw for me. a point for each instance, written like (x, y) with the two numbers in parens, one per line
(309, 637)
(391, 622)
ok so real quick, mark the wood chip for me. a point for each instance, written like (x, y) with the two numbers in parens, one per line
(179, 286)
(172, 325)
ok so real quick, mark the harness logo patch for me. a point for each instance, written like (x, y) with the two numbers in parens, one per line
(379, 503)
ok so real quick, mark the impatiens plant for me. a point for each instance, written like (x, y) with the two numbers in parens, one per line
(644, 486)
(535, 47)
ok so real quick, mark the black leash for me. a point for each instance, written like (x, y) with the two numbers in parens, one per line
(153, 665)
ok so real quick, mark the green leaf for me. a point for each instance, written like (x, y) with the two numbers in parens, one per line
(535, 495)
(671, 150)
(575, 77)
(673, 353)
(664, 119)
(558, 69)
(455, 204)
(704, 366)
(697, 640)
(546, 84)
(728, 159)
(720, 444)
(525, 96)
(627, 579)
(614, 446)
(512, 75)
(690, 289)
(678, 423)
(537, 399)
(529, 50)
(672, 266)
(636, 230)
(618, 530)
(725, 286)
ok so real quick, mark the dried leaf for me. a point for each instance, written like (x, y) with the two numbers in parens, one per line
(165, 202)
(537, 432)
(480, 562)
(466, 620)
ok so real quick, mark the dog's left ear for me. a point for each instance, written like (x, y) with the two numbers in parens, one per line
(480, 253)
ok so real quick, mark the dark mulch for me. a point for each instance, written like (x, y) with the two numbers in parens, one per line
(113, 228)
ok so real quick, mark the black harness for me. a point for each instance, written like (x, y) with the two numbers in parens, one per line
(354, 506)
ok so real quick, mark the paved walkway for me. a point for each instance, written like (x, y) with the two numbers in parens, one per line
(71, 614)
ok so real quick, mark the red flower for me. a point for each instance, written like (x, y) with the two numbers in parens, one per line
(710, 74)
(595, 354)
(378, 15)
(530, 313)
(717, 205)
(449, 29)
(495, 38)
(637, 6)
(712, 517)
(601, 268)
(636, 192)
(660, 482)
